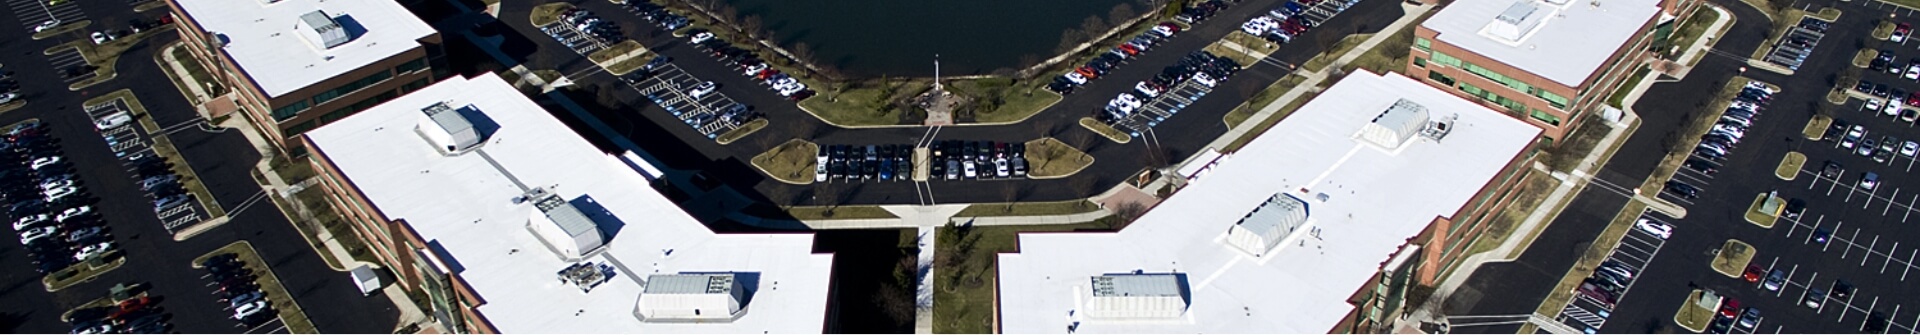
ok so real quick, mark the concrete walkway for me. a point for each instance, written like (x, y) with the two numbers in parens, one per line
(1313, 79)
(1570, 184)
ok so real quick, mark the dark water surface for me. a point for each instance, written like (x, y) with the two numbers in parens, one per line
(900, 37)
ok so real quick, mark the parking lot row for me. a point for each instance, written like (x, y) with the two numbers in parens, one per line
(1614, 278)
(153, 174)
(691, 100)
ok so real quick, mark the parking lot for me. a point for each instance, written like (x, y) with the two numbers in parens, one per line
(32, 13)
(1634, 252)
(130, 143)
(705, 109)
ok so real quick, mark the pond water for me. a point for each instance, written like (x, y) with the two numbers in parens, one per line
(900, 37)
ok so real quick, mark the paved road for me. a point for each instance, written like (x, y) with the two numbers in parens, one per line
(687, 150)
(1517, 287)
(329, 297)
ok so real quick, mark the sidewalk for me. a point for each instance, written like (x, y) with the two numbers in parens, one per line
(1570, 183)
(1313, 79)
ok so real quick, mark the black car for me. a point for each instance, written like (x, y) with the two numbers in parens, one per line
(1795, 207)
(1682, 189)
(1842, 290)
(1700, 165)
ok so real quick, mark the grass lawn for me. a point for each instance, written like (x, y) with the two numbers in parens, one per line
(1817, 127)
(1695, 27)
(163, 147)
(839, 212)
(1260, 100)
(547, 13)
(1028, 208)
(742, 131)
(862, 106)
(1220, 48)
(198, 72)
(1790, 165)
(1829, 13)
(1269, 122)
(1619, 97)
(1884, 31)
(1254, 44)
(1780, 27)
(790, 162)
(628, 65)
(70, 27)
(1733, 258)
(1339, 48)
(277, 296)
(1692, 315)
(1018, 100)
(964, 304)
(1390, 55)
(1528, 196)
(1105, 130)
(1049, 158)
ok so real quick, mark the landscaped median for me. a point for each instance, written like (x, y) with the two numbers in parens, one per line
(790, 162)
(1697, 311)
(62, 29)
(1105, 130)
(741, 132)
(1786, 22)
(1864, 57)
(621, 58)
(163, 147)
(83, 272)
(276, 294)
(1596, 252)
(864, 102)
(104, 56)
(1003, 100)
(1052, 159)
(547, 13)
(1817, 128)
(1883, 31)
(1691, 129)
(1760, 216)
(1733, 258)
(1790, 165)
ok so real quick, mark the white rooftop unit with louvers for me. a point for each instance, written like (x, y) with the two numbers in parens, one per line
(475, 210)
(703, 297)
(449, 129)
(1266, 226)
(1399, 123)
(1137, 296)
(287, 45)
(322, 30)
(1366, 204)
(563, 228)
(1561, 40)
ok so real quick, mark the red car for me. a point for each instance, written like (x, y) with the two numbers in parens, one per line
(1729, 308)
(1170, 26)
(1753, 273)
(1087, 72)
(1129, 49)
(1913, 99)
(130, 305)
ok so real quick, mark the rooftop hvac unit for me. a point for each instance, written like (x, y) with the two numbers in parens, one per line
(451, 131)
(1396, 125)
(322, 30)
(1262, 230)
(707, 297)
(586, 276)
(1138, 296)
(564, 229)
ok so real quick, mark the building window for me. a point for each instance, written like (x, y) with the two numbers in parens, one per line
(287, 112)
(1543, 116)
(1552, 99)
(1420, 62)
(414, 65)
(1443, 79)
(415, 85)
(298, 128)
(336, 115)
(1422, 43)
(1444, 59)
(356, 85)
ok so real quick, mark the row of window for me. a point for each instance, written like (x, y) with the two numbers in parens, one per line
(1496, 98)
(356, 107)
(1555, 100)
(289, 111)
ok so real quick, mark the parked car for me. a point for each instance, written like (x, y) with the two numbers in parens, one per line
(1660, 229)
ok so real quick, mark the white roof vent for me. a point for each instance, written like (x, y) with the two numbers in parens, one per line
(1132, 296)
(1515, 23)
(453, 131)
(1264, 228)
(1401, 122)
(564, 229)
(707, 297)
(322, 30)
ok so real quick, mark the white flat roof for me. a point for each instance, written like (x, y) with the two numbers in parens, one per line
(1572, 42)
(263, 40)
(1377, 199)
(464, 204)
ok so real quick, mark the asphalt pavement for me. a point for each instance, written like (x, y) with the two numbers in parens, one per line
(683, 148)
(220, 159)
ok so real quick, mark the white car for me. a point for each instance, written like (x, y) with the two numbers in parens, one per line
(1853, 136)
(702, 37)
(56, 184)
(72, 213)
(1662, 230)
(249, 309)
(790, 90)
(1076, 78)
(1730, 130)
(112, 121)
(970, 171)
(1144, 89)
(1203, 79)
(44, 26)
(92, 251)
(28, 221)
(1913, 72)
(1000, 168)
(101, 37)
(755, 69)
(1872, 105)
(35, 234)
(1909, 149)
(702, 90)
(56, 194)
(1892, 108)
(43, 162)
(820, 172)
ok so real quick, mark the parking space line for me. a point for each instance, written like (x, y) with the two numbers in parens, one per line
(1909, 212)
(1896, 193)
(1808, 290)
(1883, 265)
(1869, 198)
(1863, 321)
(1876, 242)
(1783, 288)
(1909, 267)
(1843, 311)
(1850, 244)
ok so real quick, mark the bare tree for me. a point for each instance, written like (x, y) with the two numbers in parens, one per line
(1010, 192)
(804, 130)
(753, 26)
(828, 195)
(727, 13)
(1093, 26)
(1127, 212)
(1081, 185)
(896, 302)
(1044, 127)
(1120, 14)
(1069, 39)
